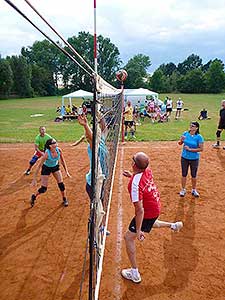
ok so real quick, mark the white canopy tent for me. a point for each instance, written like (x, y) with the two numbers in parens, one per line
(139, 95)
(77, 94)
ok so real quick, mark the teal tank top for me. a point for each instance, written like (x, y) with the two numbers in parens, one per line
(52, 161)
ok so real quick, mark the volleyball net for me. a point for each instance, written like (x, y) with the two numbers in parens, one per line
(106, 132)
(107, 116)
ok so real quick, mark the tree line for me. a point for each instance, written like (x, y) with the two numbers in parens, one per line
(43, 70)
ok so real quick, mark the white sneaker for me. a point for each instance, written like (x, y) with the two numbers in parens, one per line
(177, 226)
(195, 193)
(128, 274)
(216, 146)
(183, 192)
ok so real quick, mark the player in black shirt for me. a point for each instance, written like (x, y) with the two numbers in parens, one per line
(221, 125)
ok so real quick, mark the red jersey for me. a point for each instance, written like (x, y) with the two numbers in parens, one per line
(142, 188)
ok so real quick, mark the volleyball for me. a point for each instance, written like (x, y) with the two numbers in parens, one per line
(121, 75)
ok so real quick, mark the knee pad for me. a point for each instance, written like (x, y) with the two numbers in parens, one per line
(33, 160)
(218, 133)
(42, 189)
(61, 186)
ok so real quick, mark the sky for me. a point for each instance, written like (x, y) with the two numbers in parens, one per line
(165, 30)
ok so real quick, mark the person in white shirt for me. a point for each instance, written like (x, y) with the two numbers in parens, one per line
(180, 104)
(169, 106)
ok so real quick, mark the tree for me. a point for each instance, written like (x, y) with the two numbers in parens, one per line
(41, 81)
(6, 77)
(215, 77)
(45, 55)
(108, 61)
(157, 81)
(192, 82)
(192, 62)
(137, 71)
(21, 76)
(167, 69)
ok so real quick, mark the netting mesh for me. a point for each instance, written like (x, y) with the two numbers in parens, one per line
(108, 116)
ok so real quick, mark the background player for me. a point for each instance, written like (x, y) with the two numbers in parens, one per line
(39, 145)
(221, 125)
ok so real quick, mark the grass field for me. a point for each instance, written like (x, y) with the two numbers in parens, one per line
(17, 125)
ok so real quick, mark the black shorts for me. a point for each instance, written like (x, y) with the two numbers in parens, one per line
(128, 123)
(48, 170)
(185, 163)
(221, 126)
(179, 108)
(169, 109)
(146, 224)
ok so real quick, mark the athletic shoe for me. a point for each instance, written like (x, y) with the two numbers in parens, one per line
(32, 200)
(65, 202)
(128, 274)
(195, 193)
(126, 137)
(133, 137)
(183, 192)
(27, 172)
(177, 226)
(216, 146)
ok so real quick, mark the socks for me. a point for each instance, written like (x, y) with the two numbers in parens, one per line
(135, 272)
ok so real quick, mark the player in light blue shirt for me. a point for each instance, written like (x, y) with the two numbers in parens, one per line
(192, 142)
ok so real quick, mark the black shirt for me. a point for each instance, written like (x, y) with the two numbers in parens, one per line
(222, 116)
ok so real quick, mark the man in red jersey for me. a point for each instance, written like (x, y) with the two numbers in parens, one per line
(146, 200)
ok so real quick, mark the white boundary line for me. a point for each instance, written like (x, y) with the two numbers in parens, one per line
(119, 239)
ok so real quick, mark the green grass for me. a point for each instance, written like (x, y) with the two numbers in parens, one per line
(174, 128)
(17, 125)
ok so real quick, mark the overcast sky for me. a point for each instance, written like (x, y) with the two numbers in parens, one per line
(165, 30)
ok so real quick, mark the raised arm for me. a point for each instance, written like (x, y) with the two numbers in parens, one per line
(63, 161)
(88, 132)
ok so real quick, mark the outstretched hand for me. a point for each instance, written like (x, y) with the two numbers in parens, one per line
(127, 173)
(82, 120)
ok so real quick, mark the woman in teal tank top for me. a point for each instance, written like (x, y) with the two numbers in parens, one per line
(50, 164)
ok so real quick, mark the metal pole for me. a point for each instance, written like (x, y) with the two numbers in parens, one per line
(93, 168)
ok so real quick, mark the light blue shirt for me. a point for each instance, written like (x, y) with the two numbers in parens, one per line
(193, 142)
(52, 161)
(103, 159)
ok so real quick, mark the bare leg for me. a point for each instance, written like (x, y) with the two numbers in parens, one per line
(194, 183)
(130, 247)
(183, 182)
(161, 224)
(59, 178)
(44, 182)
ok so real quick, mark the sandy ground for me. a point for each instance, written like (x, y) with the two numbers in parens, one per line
(42, 249)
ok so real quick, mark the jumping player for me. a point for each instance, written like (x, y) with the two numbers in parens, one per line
(146, 200)
(39, 145)
(50, 164)
(221, 125)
